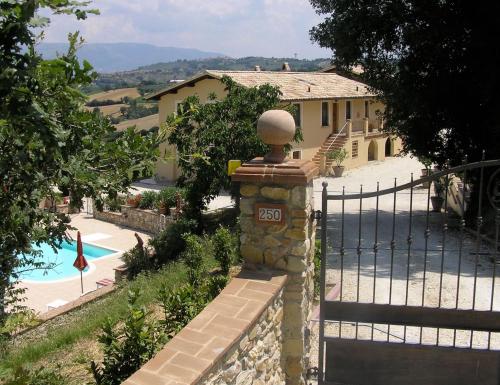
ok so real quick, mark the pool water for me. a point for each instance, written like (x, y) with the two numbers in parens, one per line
(63, 260)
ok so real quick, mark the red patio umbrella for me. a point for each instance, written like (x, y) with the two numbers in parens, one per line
(80, 261)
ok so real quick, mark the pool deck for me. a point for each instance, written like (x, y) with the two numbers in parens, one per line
(108, 235)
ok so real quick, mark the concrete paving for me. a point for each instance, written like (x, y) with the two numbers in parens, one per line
(39, 294)
(443, 255)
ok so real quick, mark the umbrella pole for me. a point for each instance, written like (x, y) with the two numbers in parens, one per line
(81, 279)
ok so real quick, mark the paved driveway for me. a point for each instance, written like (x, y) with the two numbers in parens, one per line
(408, 267)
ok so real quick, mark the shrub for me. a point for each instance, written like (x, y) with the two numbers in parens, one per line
(137, 259)
(169, 243)
(127, 347)
(114, 204)
(148, 200)
(41, 376)
(167, 197)
(224, 248)
(213, 286)
(180, 305)
(193, 255)
(338, 155)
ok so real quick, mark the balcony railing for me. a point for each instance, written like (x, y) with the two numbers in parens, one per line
(364, 126)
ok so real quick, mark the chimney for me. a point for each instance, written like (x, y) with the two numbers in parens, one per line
(286, 67)
(257, 68)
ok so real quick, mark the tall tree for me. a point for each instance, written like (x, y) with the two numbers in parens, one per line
(208, 135)
(434, 63)
(48, 139)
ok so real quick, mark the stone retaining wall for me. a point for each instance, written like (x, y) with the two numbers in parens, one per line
(144, 220)
(236, 339)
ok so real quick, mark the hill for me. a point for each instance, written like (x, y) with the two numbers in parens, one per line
(144, 123)
(116, 95)
(111, 57)
(152, 77)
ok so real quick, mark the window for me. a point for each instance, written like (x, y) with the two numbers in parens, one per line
(348, 112)
(325, 116)
(297, 114)
(296, 154)
(367, 109)
(354, 151)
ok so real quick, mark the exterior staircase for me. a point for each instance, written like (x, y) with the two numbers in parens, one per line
(330, 144)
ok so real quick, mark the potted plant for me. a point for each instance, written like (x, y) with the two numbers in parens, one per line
(165, 199)
(133, 201)
(338, 155)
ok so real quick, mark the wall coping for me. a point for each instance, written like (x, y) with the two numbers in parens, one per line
(198, 347)
(292, 171)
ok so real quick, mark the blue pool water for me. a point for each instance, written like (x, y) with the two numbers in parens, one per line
(63, 259)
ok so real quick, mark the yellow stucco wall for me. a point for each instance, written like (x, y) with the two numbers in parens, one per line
(314, 133)
(168, 170)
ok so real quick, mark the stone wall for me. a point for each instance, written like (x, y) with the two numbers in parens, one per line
(290, 247)
(237, 339)
(144, 220)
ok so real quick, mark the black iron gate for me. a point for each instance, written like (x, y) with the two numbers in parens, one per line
(409, 294)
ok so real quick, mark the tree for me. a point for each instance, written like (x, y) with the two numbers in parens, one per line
(48, 139)
(433, 63)
(208, 135)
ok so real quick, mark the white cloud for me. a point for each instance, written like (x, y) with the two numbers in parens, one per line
(233, 27)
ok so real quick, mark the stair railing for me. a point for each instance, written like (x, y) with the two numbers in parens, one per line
(336, 136)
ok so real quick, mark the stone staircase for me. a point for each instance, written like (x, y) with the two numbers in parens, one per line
(330, 144)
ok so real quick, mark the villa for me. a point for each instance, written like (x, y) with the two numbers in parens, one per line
(333, 111)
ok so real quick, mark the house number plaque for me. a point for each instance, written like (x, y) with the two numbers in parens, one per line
(269, 213)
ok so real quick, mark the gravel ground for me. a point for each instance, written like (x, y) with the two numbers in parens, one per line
(436, 292)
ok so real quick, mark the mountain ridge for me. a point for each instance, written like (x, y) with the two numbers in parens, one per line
(115, 57)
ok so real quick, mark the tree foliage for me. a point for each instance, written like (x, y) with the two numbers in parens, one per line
(434, 63)
(48, 139)
(208, 135)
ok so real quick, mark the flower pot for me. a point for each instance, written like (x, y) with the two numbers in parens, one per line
(338, 170)
(162, 209)
(437, 203)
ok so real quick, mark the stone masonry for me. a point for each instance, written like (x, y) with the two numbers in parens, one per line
(144, 220)
(288, 247)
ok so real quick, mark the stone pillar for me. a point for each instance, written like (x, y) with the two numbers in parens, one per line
(349, 128)
(278, 231)
(365, 126)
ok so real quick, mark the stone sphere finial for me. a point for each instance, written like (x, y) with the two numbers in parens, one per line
(276, 128)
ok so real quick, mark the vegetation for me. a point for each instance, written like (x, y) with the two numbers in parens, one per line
(441, 98)
(48, 139)
(224, 249)
(127, 347)
(208, 135)
(338, 155)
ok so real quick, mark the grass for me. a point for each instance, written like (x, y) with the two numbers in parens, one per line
(55, 337)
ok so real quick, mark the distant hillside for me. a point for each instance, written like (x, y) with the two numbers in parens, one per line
(111, 57)
(116, 94)
(156, 76)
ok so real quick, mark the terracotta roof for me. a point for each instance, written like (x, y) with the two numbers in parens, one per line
(295, 86)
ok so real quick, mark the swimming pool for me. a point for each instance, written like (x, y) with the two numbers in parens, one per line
(63, 260)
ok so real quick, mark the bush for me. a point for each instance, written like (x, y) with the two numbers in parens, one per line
(167, 197)
(213, 286)
(224, 248)
(169, 243)
(180, 305)
(148, 200)
(196, 249)
(137, 259)
(128, 347)
(114, 204)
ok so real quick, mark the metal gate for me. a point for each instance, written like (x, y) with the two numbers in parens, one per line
(409, 295)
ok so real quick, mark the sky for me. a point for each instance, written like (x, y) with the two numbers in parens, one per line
(237, 28)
